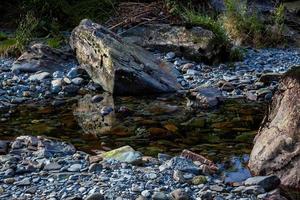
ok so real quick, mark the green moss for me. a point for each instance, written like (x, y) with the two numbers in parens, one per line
(197, 122)
(152, 150)
(246, 137)
(247, 26)
(3, 36)
(55, 42)
(237, 54)
(7, 47)
(197, 180)
(195, 18)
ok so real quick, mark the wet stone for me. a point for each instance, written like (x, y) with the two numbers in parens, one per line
(23, 182)
(75, 168)
(52, 166)
(181, 164)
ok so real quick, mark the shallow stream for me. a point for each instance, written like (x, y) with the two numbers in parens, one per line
(149, 124)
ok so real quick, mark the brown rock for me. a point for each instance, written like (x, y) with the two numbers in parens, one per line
(179, 195)
(195, 157)
(157, 131)
(207, 165)
(277, 144)
(269, 77)
(95, 159)
(227, 86)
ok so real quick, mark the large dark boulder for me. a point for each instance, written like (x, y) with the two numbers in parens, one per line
(195, 43)
(120, 67)
(277, 144)
(40, 57)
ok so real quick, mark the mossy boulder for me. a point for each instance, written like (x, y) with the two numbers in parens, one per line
(197, 180)
(123, 154)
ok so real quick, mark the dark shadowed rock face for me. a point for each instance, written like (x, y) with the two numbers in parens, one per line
(277, 145)
(41, 57)
(195, 43)
(120, 67)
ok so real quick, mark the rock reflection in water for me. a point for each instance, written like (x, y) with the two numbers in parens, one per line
(148, 124)
(95, 117)
(165, 124)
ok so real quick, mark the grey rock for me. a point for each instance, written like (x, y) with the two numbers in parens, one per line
(23, 182)
(159, 196)
(77, 81)
(75, 168)
(52, 166)
(39, 76)
(216, 188)
(73, 73)
(31, 190)
(254, 189)
(17, 100)
(58, 74)
(170, 55)
(56, 85)
(194, 43)
(269, 77)
(3, 146)
(163, 157)
(239, 189)
(266, 182)
(9, 172)
(178, 176)
(179, 194)
(42, 58)
(9, 180)
(151, 176)
(125, 68)
(96, 98)
(146, 193)
(95, 167)
(46, 147)
(207, 195)
(181, 164)
(71, 89)
(95, 196)
(205, 97)
(106, 110)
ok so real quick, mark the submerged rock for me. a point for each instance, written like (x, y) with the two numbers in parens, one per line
(277, 148)
(205, 97)
(120, 67)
